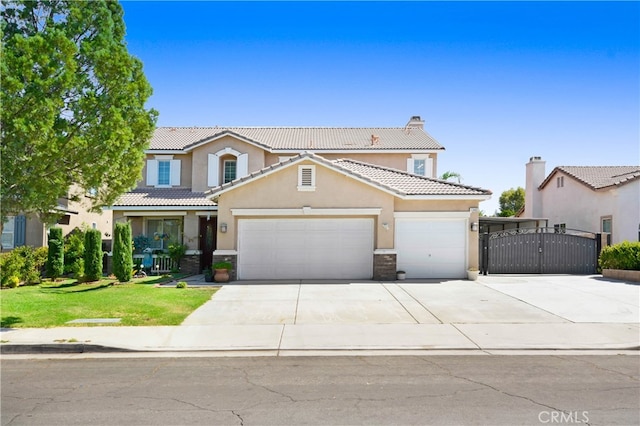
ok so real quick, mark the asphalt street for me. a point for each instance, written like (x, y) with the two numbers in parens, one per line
(425, 390)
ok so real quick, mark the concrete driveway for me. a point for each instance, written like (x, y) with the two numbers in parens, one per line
(494, 313)
(490, 300)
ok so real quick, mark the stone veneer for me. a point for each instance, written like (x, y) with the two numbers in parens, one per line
(190, 264)
(384, 267)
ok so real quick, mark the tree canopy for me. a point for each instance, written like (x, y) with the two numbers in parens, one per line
(448, 175)
(511, 201)
(73, 119)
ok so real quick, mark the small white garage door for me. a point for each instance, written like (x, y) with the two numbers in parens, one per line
(432, 248)
(305, 248)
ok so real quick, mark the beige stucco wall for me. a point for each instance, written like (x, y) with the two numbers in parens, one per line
(185, 169)
(333, 190)
(200, 158)
(392, 160)
(279, 191)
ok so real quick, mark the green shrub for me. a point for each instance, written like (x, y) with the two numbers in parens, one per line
(122, 252)
(176, 253)
(625, 255)
(74, 253)
(13, 282)
(23, 262)
(223, 265)
(11, 266)
(181, 284)
(55, 258)
(92, 255)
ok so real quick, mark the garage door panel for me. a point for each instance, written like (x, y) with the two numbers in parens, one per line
(432, 248)
(305, 248)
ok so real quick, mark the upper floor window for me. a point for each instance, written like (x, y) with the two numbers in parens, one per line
(163, 171)
(560, 182)
(226, 165)
(420, 164)
(229, 171)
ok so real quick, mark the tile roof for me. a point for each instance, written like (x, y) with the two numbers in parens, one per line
(392, 180)
(299, 138)
(598, 177)
(406, 183)
(173, 197)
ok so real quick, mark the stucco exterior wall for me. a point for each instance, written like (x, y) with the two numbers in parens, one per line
(581, 208)
(279, 191)
(200, 159)
(392, 160)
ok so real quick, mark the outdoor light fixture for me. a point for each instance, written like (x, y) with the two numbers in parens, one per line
(223, 228)
(474, 226)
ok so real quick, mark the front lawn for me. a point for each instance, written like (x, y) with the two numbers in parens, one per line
(52, 304)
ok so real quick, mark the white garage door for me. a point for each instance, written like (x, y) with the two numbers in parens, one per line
(305, 248)
(430, 248)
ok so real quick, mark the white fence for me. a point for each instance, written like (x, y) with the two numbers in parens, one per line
(161, 264)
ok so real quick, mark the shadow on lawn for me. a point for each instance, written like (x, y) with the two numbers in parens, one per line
(8, 322)
(77, 288)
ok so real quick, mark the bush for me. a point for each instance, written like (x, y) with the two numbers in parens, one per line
(74, 253)
(223, 265)
(181, 284)
(24, 263)
(55, 258)
(625, 255)
(92, 255)
(176, 253)
(13, 282)
(122, 252)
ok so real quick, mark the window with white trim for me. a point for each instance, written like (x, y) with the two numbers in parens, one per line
(306, 178)
(229, 170)
(163, 171)
(8, 233)
(606, 224)
(420, 164)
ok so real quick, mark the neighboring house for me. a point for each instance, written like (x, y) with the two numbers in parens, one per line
(599, 199)
(297, 202)
(29, 230)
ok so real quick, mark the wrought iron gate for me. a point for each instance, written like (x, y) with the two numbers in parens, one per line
(539, 251)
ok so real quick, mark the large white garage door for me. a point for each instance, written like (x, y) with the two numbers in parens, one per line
(432, 248)
(305, 248)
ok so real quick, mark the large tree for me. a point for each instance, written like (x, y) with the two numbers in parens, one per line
(511, 201)
(73, 115)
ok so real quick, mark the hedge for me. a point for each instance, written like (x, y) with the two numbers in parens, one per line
(55, 258)
(625, 255)
(122, 252)
(92, 255)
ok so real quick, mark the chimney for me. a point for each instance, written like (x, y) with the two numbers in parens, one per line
(415, 122)
(532, 196)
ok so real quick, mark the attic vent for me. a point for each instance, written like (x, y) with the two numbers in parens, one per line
(306, 178)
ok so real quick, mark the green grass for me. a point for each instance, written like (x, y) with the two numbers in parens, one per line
(52, 304)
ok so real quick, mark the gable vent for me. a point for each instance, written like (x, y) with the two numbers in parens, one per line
(306, 178)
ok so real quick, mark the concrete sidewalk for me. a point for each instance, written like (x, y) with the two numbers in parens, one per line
(494, 313)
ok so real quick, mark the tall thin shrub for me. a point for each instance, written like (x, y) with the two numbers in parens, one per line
(92, 255)
(122, 252)
(55, 255)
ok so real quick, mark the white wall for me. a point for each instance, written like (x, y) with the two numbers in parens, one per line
(579, 207)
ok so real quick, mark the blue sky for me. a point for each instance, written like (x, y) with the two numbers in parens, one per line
(496, 82)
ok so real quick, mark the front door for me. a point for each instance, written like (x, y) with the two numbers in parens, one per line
(207, 240)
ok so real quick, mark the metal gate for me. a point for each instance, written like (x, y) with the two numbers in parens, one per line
(539, 251)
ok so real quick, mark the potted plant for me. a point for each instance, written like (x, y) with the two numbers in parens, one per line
(472, 274)
(222, 271)
(401, 275)
(208, 275)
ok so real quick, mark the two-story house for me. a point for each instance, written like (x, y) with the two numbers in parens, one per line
(598, 199)
(304, 202)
